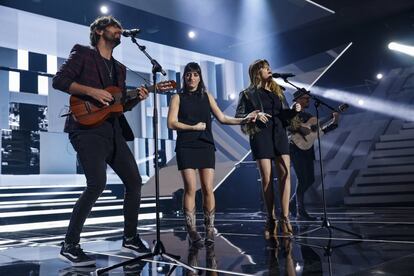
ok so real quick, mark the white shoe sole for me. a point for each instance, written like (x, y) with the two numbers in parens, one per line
(131, 251)
(87, 263)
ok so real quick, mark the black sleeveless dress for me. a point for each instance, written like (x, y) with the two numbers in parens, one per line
(272, 140)
(195, 149)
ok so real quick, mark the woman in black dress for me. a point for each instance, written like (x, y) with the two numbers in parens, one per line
(190, 114)
(268, 139)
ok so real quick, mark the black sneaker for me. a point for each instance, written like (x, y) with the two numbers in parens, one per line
(135, 246)
(74, 254)
(77, 271)
(134, 269)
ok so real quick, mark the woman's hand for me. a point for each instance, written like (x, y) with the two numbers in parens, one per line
(263, 117)
(199, 126)
(251, 117)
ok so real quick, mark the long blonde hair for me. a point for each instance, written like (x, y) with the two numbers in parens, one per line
(256, 80)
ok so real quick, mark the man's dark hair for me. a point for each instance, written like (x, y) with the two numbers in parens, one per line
(99, 24)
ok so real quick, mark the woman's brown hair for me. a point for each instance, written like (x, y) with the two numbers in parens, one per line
(256, 80)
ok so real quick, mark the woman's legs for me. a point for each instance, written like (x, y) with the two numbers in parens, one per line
(190, 182)
(207, 180)
(189, 179)
(209, 204)
(282, 164)
(265, 168)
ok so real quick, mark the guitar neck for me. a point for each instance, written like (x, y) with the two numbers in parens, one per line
(325, 121)
(132, 94)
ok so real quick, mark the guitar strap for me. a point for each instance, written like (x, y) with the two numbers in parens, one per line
(116, 66)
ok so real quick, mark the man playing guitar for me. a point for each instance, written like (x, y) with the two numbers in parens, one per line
(86, 74)
(302, 151)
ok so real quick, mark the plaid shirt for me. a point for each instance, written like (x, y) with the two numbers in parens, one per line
(86, 66)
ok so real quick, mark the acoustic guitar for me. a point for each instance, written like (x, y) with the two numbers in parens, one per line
(305, 142)
(90, 112)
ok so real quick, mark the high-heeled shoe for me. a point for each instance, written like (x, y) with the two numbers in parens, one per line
(193, 237)
(285, 226)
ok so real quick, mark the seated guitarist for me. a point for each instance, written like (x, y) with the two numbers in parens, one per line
(87, 72)
(302, 160)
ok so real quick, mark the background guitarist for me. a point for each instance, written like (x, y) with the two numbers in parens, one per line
(87, 72)
(302, 160)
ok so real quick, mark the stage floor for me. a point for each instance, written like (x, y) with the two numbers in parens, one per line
(386, 248)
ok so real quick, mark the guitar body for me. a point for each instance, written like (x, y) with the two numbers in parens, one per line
(306, 142)
(89, 112)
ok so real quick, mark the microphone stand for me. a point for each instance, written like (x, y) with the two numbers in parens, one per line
(325, 221)
(329, 248)
(159, 249)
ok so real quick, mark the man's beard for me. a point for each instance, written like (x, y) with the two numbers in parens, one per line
(111, 39)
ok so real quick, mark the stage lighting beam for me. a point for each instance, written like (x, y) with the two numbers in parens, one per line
(320, 6)
(398, 47)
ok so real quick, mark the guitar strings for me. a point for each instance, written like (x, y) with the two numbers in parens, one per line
(148, 82)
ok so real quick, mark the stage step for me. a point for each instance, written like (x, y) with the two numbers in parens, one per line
(387, 170)
(393, 153)
(396, 137)
(34, 207)
(385, 189)
(388, 162)
(409, 125)
(389, 176)
(362, 200)
(394, 145)
(30, 226)
(384, 179)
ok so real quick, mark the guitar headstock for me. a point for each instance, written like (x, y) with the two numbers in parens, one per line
(168, 85)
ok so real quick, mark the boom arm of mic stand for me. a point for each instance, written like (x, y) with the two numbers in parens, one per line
(156, 67)
(320, 102)
(316, 99)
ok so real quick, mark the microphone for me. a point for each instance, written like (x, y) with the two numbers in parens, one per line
(283, 75)
(132, 32)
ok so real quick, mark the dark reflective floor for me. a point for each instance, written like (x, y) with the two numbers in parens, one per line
(386, 248)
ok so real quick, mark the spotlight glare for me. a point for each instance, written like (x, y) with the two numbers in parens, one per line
(387, 107)
(380, 76)
(104, 9)
(392, 45)
(232, 96)
(191, 34)
(406, 49)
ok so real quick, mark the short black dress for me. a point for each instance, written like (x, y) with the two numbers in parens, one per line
(195, 149)
(272, 140)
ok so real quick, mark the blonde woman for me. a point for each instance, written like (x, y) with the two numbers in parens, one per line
(268, 139)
